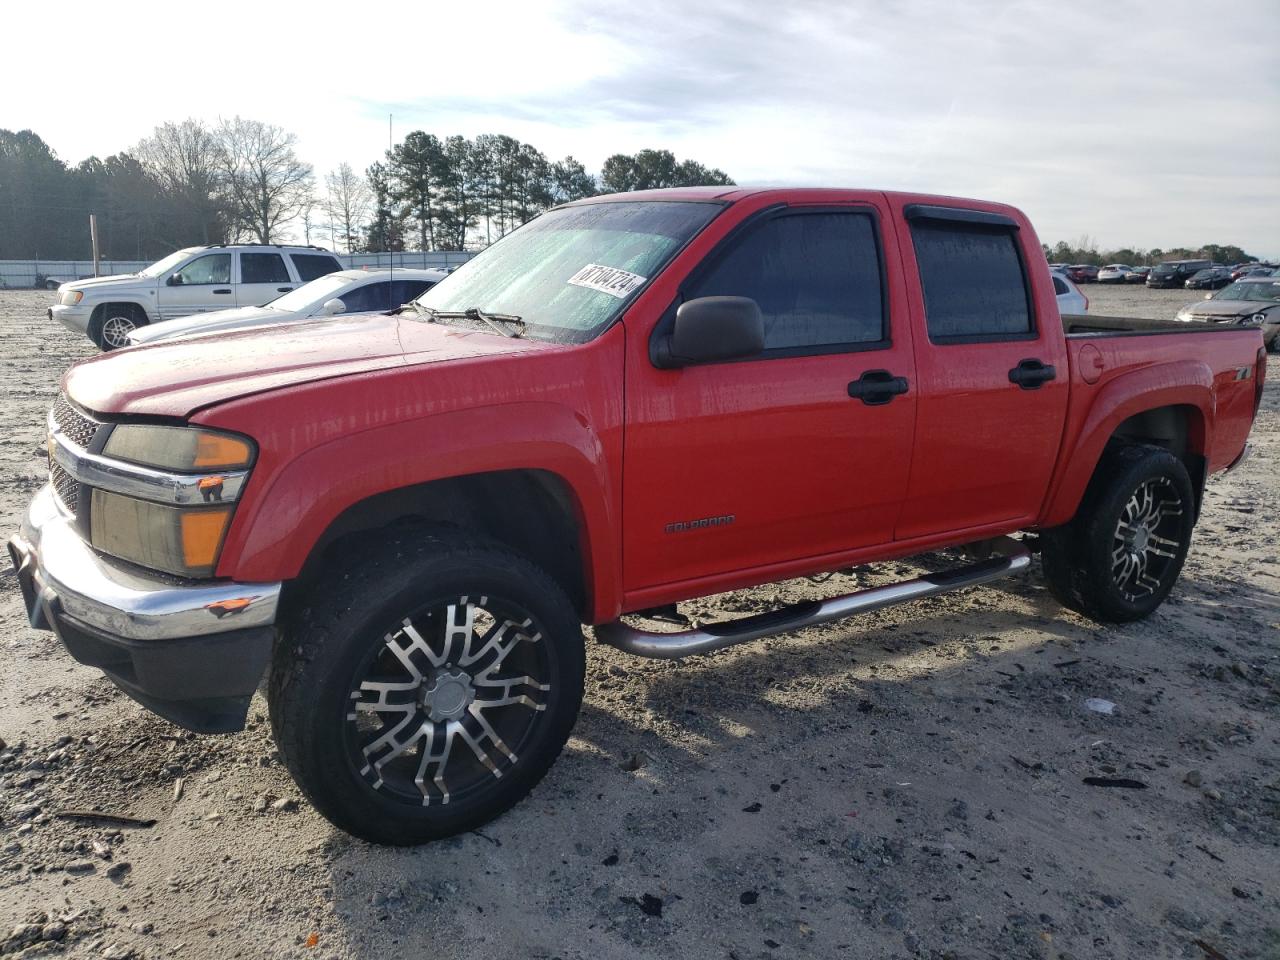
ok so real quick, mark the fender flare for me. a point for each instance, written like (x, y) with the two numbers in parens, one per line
(1183, 383)
(287, 510)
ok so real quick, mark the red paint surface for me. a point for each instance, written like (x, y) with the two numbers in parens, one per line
(345, 409)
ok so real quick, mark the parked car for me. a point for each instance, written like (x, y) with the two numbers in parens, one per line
(347, 291)
(1253, 270)
(1114, 273)
(1174, 273)
(1249, 301)
(629, 402)
(1210, 278)
(1137, 275)
(1082, 273)
(194, 280)
(1070, 299)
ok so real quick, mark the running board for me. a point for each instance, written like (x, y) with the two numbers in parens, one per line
(1011, 557)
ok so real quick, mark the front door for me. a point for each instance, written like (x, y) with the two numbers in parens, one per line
(732, 467)
(201, 285)
(263, 277)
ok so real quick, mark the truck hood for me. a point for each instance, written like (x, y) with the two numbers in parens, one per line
(94, 284)
(216, 321)
(175, 378)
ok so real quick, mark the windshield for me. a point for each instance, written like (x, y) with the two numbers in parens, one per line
(311, 294)
(1163, 268)
(1250, 291)
(569, 273)
(168, 263)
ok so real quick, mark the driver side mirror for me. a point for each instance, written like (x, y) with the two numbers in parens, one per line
(333, 307)
(711, 329)
(173, 280)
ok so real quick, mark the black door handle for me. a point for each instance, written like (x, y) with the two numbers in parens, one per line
(223, 290)
(876, 387)
(1031, 374)
(283, 289)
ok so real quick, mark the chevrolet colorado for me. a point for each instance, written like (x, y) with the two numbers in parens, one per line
(402, 520)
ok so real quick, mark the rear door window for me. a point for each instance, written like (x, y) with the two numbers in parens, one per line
(815, 276)
(312, 265)
(405, 290)
(974, 286)
(263, 268)
(372, 296)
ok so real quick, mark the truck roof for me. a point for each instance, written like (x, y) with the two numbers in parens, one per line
(732, 194)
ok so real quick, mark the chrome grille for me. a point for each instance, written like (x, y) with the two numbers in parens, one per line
(75, 426)
(65, 486)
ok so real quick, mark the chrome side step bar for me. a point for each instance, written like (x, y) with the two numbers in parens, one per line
(1010, 557)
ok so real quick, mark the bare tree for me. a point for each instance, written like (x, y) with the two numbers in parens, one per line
(187, 161)
(268, 185)
(348, 203)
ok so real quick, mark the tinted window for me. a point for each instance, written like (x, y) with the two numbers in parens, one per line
(815, 276)
(405, 290)
(213, 268)
(312, 265)
(263, 268)
(972, 280)
(372, 296)
(1059, 287)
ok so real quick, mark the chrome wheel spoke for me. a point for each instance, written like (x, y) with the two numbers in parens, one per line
(460, 671)
(1145, 545)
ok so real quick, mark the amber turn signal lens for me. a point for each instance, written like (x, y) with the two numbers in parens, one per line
(202, 536)
(220, 450)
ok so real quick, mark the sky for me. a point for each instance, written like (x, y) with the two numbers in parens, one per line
(1136, 124)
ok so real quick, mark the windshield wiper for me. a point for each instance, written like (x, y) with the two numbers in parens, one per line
(472, 313)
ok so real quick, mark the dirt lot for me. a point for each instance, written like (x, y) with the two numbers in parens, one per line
(904, 785)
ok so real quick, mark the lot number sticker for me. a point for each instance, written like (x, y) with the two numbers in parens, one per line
(610, 280)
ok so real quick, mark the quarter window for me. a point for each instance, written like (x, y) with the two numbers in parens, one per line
(974, 286)
(815, 276)
(312, 265)
(263, 268)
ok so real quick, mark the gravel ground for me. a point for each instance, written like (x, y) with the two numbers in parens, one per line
(908, 784)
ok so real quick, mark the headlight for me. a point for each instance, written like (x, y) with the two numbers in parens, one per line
(181, 540)
(69, 298)
(1258, 318)
(184, 449)
(161, 528)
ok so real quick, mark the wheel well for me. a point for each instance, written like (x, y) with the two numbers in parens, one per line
(533, 512)
(1178, 429)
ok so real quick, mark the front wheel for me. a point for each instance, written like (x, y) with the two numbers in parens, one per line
(1117, 560)
(428, 688)
(110, 329)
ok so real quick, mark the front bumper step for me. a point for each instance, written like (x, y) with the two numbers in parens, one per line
(1010, 557)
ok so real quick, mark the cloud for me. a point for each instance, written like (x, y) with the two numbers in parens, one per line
(1137, 123)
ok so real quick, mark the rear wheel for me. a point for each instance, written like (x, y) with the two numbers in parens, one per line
(1117, 560)
(428, 688)
(114, 322)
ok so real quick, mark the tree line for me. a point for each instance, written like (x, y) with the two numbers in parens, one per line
(1085, 250)
(242, 181)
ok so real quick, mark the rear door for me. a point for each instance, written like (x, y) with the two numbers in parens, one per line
(200, 285)
(731, 467)
(991, 369)
(263, 277)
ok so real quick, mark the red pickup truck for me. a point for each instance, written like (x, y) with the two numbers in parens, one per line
(403, 519)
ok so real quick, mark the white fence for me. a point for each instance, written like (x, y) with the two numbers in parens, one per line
(26, 274)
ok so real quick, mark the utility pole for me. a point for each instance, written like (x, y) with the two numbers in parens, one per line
(93, 236)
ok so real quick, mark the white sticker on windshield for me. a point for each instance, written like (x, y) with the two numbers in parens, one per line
(610, 280)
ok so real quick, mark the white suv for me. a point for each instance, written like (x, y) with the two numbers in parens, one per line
(194, 280)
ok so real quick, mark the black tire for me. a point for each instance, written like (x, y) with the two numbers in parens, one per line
(397, 594)
(1099, 564)
(112, 321)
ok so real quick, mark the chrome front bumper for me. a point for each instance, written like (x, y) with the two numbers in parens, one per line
(120, 599)
(192, 652)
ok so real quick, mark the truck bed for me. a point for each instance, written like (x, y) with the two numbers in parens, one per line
(1095, 325)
